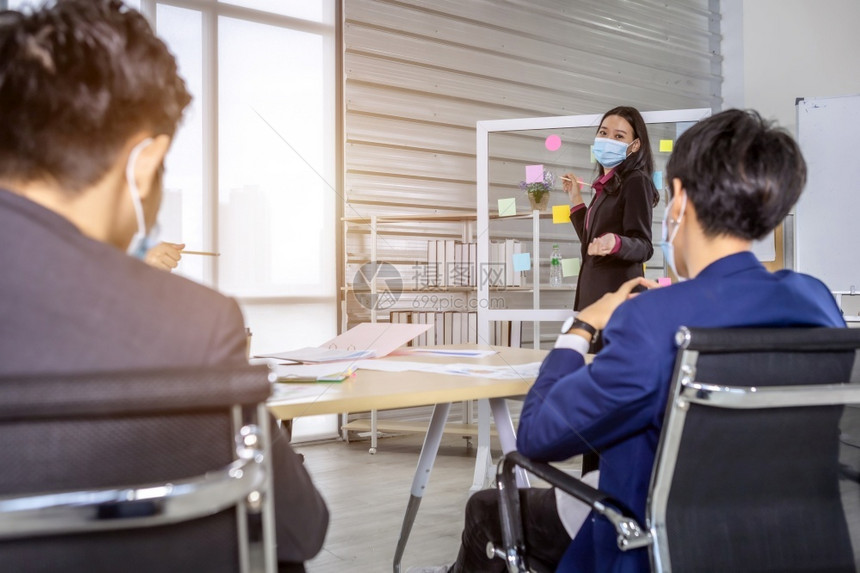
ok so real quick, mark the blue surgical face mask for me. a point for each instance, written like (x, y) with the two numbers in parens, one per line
(142, 247)
(139, 242)
(666, 245)
(609, 152)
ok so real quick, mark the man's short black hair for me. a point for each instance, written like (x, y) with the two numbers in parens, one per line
(77, 80)
(740, 172)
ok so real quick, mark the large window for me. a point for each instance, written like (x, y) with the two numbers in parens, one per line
(251, 174)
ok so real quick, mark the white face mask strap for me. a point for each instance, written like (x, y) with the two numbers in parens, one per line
(132, 188)
(678, 220)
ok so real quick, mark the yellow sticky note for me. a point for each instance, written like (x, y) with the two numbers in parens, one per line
(507, 207)
(569, 267)
(666, 145)
(560, 214)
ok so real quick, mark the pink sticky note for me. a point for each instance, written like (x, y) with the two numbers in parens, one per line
(664, 281)
(534, 173)
(553, 142)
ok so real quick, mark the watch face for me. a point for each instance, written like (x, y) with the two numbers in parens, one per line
(567, 324)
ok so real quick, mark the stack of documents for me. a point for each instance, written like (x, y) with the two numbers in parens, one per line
(335, 360)
(315, 355)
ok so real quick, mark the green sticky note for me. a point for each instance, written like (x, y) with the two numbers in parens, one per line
(560, 214)
(591, 152)
(569, 267)
(507, 207)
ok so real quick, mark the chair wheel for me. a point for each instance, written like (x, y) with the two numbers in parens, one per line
(492, 552)
(371, 451)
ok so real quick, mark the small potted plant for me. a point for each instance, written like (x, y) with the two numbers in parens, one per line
(538, 192)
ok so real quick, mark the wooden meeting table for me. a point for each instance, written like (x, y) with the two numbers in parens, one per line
(372, 389)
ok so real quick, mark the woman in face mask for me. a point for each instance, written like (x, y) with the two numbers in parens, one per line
(615, 228)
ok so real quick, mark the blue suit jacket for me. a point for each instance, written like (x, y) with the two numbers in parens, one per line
(616, 404)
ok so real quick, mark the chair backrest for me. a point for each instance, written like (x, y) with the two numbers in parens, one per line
(747, 469)
(173, 432)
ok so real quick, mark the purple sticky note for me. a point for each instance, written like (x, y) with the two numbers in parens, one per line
(534, 173)
(553, 143)
(664, 281)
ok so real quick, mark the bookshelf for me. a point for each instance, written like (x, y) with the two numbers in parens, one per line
(528, 290)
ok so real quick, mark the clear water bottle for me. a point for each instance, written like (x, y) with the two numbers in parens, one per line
(555, 267)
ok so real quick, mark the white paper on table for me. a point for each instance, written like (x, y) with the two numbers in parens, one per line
(453, 352)
(505, 372)
(312, 370)
(398, 366)
(305, 392)
(383, 338)
(311, 354)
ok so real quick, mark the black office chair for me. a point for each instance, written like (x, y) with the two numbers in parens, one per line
(747, 474)
(136, 471)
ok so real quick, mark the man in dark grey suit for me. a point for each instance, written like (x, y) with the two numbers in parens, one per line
(89, 102)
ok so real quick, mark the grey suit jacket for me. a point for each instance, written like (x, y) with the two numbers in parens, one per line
(71, 304)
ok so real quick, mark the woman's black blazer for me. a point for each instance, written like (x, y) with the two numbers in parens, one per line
(628, 214)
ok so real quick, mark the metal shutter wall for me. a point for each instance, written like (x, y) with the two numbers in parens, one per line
(418, 74)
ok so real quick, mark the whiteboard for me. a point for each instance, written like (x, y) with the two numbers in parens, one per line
(827, 238)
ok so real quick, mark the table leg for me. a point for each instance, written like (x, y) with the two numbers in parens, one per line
(422, 476)
(484, 459)
(507, 435)
(467, 419)
(484, 465)
(374, 435)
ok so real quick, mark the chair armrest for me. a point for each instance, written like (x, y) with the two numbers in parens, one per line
(142, 505)
(631, 534)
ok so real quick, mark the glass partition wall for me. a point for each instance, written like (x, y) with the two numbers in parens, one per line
(516, 241)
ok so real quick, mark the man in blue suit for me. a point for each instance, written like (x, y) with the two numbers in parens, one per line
(734, 177)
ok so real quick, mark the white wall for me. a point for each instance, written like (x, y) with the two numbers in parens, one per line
(790, 49)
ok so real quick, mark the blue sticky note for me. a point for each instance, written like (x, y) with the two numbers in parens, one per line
(522, 261)
(658, 180)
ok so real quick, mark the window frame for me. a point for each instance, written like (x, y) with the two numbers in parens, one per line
(330, 30)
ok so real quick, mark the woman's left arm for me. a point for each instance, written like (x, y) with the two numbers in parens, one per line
(636, 246)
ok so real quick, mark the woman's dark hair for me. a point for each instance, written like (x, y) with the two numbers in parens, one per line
(742, 173)
(639, 161)
(77, 81)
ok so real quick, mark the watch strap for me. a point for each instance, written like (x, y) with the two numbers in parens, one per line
(582, 325)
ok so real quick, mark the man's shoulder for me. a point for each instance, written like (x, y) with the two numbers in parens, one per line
(173, 290)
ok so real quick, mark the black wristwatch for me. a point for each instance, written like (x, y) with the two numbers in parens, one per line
(573, 322)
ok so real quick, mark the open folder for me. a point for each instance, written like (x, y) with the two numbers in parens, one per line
(365, 340)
